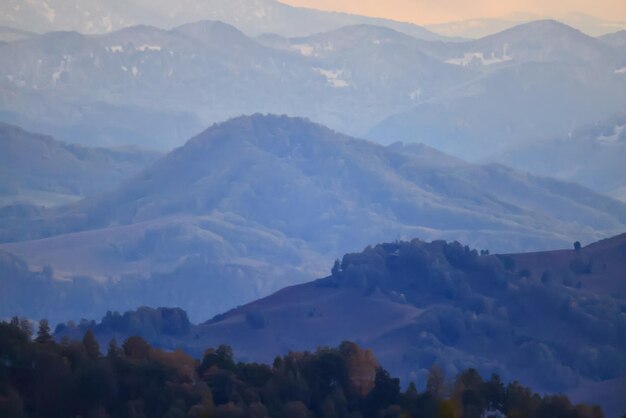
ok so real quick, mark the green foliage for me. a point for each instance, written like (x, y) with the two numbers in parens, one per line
(74, 379)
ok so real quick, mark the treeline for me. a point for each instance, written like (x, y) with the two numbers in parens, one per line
(40, 377)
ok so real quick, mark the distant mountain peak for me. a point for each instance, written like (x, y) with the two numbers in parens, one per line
(210, 26)
(253, 17)
(214, 32)
(541, 29)
(616, 38)
(259, 127)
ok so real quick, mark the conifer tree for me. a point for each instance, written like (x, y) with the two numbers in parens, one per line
(91, 344)
(43, 333)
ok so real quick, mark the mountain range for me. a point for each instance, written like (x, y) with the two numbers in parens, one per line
(9, 34)
(156, 88)
(592, 156)
(255, 17)
(616, 38)
(36, 169)
(553, 319)
(526, 89)
(509, 143)
(260, 202)
(478, 28)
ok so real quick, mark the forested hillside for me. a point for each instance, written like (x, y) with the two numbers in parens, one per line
(43, 378)
(261, 202)
(553, 320)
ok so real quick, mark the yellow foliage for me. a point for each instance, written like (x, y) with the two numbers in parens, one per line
(178, 360)
(361, 365)
(447, 409)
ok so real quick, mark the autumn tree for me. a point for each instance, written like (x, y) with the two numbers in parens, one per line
(136, 348)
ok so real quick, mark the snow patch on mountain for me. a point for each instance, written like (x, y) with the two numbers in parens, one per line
(621, 70)
(62, 68)
(474, 58)
(304, 49)
(146, 47)
(333, 77)
(615, 136)
(478, 58)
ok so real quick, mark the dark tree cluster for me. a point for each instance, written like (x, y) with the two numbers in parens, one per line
(40, 377)
(147, 322)
(495, 302)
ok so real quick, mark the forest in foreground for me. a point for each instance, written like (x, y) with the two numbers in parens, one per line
(40, 377)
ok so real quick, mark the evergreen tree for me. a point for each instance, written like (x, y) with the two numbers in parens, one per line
(91, 344)
(113, 350)
(43, 333)
(336, 270)
(26, 327)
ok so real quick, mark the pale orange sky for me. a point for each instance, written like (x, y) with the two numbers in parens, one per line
(440, 11)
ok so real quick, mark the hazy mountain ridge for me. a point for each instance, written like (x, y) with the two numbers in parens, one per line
(9, 34)
(271, 201)
(205, 72)
(478, 28)
(356, 79)
(616, 38)
(592, 156)
(253, 16)
(527, 43)
(526, 89)
(39, 170)
(503, 143)
(420, 303)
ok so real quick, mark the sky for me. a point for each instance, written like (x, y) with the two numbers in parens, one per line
(441, 11)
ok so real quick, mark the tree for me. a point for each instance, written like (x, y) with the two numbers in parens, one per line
(386, 391)
(436, 382)
(136, 348)
(91, 344)
(361, 366)
(43, 333)
(336, 270)
(26, 327)
(15, 321)
(113, 350)
(577, 246)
